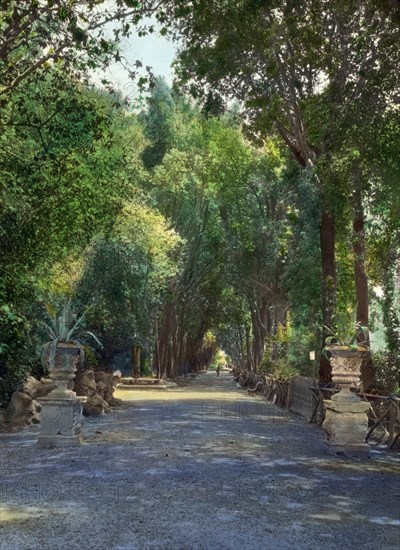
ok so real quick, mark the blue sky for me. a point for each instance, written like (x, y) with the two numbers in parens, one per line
(153, 50)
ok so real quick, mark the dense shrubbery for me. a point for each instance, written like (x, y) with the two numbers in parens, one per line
(387, 371)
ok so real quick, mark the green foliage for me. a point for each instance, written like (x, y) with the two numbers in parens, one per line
(180, 234)
(387, 371)
(91, 358)
(303, 339)
(14, 330)
(347, 330)
(275, 361)
(64, 177)
(277, 368)
(125, 278)
(158, 123)
(302, 270)
(220, 357)
(36, 36)
(12, 376)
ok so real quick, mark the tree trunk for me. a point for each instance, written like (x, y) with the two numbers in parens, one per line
(135, 361)
(157, 349)
(329, 283)
(258, 340)
(248, 349)
(360, 277)
(181, 337)
(164, 341)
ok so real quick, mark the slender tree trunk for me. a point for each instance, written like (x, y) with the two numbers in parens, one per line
(181, 360)
(135, 361)
(157, 350)
(164, 341)
(248, 349)
(257, 338)
(329, 284)
(360, 277)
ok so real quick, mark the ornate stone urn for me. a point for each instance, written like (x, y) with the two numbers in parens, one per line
(66, 358)
(62, 410)
(346, 370)
(346, 420)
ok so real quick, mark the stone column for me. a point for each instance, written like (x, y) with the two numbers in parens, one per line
(346, 419)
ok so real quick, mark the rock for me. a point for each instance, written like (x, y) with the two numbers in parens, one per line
(95, 406)
(85, 383)
(90, 384)
(115, 402)
(116, 378)
(36, 388)
(105, 385)
(22, 411)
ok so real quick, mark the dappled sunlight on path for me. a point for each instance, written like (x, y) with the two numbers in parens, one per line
(207, 386)
(204, 466)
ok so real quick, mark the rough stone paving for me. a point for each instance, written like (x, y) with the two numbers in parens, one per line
(200, 467)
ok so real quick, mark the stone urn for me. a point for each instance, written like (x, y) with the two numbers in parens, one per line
(346, 370)
(346, 419)
(62, 359)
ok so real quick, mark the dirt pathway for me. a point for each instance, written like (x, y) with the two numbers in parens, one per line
(202, 467)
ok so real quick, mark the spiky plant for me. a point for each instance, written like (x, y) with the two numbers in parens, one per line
(64, 328)
(347, 331)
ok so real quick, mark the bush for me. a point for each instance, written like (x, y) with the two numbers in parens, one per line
(301, 341)
(287, 353)
(12, 377)
(387, 371)
(278, 369)
(13, 350)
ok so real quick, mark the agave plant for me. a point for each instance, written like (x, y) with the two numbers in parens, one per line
(347, 331)
(65, 328)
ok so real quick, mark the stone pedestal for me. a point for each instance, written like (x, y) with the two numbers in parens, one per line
(345, 427)
(61, 419)
(346, 420)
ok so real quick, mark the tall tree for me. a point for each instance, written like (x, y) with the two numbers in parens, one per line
(280, 59)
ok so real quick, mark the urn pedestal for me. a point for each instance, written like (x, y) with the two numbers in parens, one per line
(60, 421)
(346, 419)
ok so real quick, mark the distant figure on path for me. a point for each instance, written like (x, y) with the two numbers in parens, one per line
(218, 369)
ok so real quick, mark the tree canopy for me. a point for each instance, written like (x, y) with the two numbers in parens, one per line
(244, 217)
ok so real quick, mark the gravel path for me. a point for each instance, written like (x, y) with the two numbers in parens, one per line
(202, 467)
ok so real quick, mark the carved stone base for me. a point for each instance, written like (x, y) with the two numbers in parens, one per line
(345, 427)
(60, 424)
